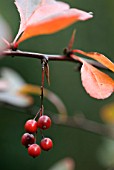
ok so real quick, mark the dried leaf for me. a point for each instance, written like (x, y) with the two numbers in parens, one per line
(49, 17)
(98, 84)
(99, 57)
(46, 67)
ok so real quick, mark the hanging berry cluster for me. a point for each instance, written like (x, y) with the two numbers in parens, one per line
(43, 122)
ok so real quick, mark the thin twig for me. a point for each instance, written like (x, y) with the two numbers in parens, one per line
(76, 122)
(42, 87)
(49, 57)
(85, 124)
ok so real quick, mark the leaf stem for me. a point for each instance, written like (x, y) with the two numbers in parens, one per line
(37, 114)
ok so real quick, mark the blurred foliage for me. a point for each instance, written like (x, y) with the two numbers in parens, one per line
(93, 35)
(106, 149)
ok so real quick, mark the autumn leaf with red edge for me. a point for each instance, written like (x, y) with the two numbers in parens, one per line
(45, 17)
(98, 57)
(96, 83)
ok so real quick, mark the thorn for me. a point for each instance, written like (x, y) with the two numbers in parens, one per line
(71, 42)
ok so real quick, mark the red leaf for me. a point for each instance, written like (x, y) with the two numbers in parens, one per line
(99, 57)
(49, 17)
(98, 84)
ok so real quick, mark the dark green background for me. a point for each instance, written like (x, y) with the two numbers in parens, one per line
(93, 35)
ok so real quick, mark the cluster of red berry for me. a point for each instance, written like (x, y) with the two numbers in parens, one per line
(28, 139)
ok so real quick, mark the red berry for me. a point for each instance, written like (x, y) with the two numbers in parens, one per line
(27, 139)
(44, 122)
(31, 126)
(34, 150)
(46, 144)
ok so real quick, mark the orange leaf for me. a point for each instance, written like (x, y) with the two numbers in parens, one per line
(99, 57)
(51, 16)
(98, 84)
(25, 9)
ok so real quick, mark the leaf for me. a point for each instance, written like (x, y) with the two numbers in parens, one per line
(64, 164)
(49, 17)
(5, 34)
(9, 91)
(26, 13)
(3, 85)
(15, 81)
(15, 91)
(46, 68)
(99, 57)
(16, 100)
(25, 9)
(106, 152)
(98, 84)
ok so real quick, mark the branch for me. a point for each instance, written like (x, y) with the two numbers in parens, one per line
(78, 122)
(82, 123)
(75, 121)
(49, 57)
